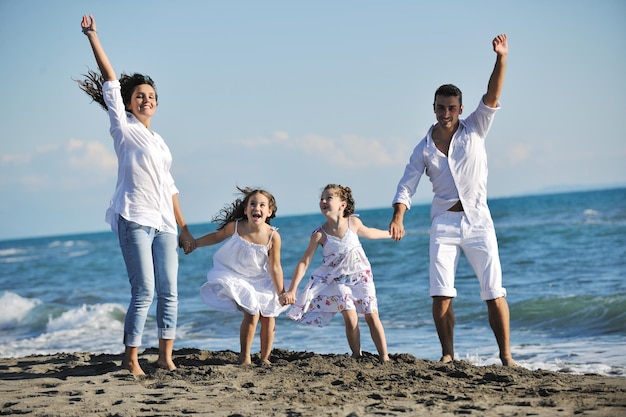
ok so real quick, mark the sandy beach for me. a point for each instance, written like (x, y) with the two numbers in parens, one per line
(298, 384)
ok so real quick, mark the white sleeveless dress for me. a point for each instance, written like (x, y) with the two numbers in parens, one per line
(240, 279)
(344, 281)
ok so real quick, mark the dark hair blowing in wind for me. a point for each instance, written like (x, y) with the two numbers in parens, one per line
(235, 210)
(93, 82)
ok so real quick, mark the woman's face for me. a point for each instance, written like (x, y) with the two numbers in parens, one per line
(143, 102)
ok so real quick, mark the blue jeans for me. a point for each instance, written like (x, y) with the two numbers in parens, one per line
(151, 259)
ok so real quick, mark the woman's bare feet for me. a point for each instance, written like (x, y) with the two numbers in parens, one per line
(166, 364)
(133, 367)
(131, 361)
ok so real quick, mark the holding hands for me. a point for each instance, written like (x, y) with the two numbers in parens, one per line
(287, 298)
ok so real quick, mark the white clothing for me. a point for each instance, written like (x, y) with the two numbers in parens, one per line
(450, 234)
(462, 175)
(344, 281)
(145, 186)
(240, 279)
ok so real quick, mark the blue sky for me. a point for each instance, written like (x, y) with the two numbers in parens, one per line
(292, 95)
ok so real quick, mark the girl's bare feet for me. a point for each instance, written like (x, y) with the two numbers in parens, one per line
(244, 359)
(509, 362)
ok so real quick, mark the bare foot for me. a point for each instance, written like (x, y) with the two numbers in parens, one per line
(133, 367)
(165, 364)
(266, 362)
(446, 359)
(384, 359)
(245, 360)
(509, 362)
(357, 355)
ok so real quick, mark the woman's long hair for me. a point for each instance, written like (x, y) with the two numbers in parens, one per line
(93, 82)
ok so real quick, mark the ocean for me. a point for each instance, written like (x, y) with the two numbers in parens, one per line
(563, 257)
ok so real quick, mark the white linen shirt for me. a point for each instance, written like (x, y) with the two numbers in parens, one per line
(462, 175)
(145, 186)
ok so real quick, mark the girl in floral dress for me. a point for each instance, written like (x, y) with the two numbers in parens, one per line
(247, 275)
(344, 282)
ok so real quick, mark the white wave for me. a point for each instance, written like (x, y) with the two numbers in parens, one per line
(12, 252)
(13, 309)
(86, 318)
(67, 243)
(90, 328)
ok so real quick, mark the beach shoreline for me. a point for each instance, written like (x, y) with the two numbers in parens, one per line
(297, 384)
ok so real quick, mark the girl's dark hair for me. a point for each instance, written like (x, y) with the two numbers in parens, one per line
(93, 82)
(345, 194)
(235, 210)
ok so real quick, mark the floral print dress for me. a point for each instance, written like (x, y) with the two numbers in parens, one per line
(344, 281)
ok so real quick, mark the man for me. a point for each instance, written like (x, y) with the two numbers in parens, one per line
(454, 158)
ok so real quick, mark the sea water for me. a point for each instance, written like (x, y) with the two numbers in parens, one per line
(563, 258)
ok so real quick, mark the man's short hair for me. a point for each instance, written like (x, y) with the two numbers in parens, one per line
(449, 90)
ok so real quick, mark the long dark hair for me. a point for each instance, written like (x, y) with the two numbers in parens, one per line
(93, 82)
(235, 210)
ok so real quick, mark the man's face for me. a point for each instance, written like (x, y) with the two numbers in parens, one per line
(447, 111)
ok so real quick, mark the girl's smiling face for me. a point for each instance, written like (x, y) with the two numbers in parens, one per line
(330, 202)
(258, 208)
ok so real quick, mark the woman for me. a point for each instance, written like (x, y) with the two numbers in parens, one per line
(144, 210)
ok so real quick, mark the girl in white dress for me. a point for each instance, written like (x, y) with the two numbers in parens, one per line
(247, 275)
(344, 282)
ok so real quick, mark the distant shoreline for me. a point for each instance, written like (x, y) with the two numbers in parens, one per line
(417, 203)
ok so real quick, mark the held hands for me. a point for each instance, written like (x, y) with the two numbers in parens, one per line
(396, 229)
(287, 298)
(500, 44)
(88, 24)
(187, 242)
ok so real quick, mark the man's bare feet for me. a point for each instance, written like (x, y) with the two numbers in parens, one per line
(446, 359)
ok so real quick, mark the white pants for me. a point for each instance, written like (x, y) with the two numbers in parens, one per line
(450, 234)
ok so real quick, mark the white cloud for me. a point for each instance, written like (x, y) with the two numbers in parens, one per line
(90, 154)
(75, 164)
(346, 151)
(518, 154)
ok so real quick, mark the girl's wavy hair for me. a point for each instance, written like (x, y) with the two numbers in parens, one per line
(345, 194)
(235, 210)
(93, 82)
